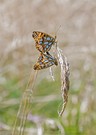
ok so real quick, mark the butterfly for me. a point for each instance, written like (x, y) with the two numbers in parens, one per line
(45, 61)
(43, 41)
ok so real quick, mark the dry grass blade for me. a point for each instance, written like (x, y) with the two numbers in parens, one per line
(64, 78)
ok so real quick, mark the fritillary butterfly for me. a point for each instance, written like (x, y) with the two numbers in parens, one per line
(43, 41)
(45, 61)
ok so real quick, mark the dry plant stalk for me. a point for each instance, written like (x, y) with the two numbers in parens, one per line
(64, 78)
(24, 107)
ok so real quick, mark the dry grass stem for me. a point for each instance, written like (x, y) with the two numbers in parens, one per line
(24, 107)
(64, 78)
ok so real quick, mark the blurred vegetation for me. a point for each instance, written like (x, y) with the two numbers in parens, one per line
(76, 37)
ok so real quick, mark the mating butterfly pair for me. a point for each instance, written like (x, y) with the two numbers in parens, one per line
(44, 43)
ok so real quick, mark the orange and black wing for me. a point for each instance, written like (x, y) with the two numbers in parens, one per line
(45, 61)
(43, 41)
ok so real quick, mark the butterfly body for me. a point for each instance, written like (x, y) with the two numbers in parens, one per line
(45, 61)
(43, 41)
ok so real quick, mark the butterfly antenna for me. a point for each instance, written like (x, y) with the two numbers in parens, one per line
(56, 34)
(57, 30)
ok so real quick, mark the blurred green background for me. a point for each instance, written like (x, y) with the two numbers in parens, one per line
(77, 39)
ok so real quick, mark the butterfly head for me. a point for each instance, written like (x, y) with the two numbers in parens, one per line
(34, 35)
